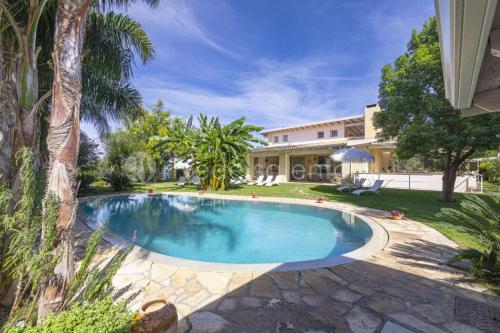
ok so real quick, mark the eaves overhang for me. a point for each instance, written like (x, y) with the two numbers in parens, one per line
(471, 67)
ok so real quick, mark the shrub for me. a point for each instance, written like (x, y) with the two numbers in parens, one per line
(119, 180)
(88, 159)
(491, 170)
(98, 317)
(30, 254)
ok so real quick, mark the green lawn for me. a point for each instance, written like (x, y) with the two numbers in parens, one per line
(418, 205)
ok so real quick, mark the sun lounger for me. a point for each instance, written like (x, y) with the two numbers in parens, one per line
(196, 181)
(276, 181)
(374, 189)
(234, 182)
(357, 184)
(267, 181)
(259, 180)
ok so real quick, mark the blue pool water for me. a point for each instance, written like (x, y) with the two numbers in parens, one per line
(228, 231)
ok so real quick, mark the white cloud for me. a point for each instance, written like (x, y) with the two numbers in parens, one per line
(176, 17)
(275, 95)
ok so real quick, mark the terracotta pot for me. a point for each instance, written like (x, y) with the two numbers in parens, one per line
(156, 316)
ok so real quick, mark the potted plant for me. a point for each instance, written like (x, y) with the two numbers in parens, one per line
(156, 316)
(396, 215)
(150, 191)
(254, 195)
(320, 200)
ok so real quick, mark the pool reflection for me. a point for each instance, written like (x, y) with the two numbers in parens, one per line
(228, 231)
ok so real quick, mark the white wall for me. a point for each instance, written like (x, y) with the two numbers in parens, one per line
(307, 134)
(432, 182)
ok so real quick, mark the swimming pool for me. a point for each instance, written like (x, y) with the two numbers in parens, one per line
(228, 231)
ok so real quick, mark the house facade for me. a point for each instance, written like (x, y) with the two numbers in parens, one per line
(301, 153)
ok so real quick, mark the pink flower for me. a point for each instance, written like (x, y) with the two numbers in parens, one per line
(395, 213)
(134, 236)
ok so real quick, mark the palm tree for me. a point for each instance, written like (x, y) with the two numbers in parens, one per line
(111, 40)
(19, 96)
(64, 135)
(480, 220)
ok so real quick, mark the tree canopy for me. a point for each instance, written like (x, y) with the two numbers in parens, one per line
(150, 128)
(417, 113)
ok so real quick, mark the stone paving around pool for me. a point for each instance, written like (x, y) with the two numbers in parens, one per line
(407, 287)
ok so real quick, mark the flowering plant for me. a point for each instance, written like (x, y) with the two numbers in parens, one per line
(396, 215)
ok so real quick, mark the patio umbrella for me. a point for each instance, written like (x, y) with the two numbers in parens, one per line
(351, 155)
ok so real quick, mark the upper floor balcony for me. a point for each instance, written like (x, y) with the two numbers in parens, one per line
(339, 128)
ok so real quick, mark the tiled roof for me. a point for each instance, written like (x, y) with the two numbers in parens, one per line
(337, 143)
(321, 144)
(349, 119)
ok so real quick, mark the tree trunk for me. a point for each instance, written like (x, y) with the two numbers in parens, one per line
(8, 101)
(63, 141)
(449, 178)
(20, 93)
(492, 260)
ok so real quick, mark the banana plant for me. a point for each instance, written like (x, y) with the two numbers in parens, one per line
(220, 151)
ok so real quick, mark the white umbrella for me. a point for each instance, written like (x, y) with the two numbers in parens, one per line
(351, 155)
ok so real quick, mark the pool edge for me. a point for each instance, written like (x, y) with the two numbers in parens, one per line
(377, 242)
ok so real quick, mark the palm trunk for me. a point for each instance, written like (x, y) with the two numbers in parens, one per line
(8, 102)
(20, 94)
(63, 141)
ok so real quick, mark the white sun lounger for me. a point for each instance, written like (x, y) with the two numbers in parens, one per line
(268, 180)
(196, 181)
(259, 180)
(374, 189)
(234, 182)
(357, 184)
(182, 181)
(276, 181)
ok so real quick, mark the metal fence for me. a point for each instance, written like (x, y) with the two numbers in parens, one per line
(433, 182)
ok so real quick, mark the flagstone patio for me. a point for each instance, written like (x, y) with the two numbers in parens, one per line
(407, 287)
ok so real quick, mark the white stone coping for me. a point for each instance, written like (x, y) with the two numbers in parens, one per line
(377, 242)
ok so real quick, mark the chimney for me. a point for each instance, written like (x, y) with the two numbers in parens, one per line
(370, 130)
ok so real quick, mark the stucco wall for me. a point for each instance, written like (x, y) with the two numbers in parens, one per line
(370, 131)
(308, 134)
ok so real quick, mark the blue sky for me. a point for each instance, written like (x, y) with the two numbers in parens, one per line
(277, 63)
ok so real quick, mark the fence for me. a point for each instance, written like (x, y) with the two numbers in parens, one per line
(432, 182)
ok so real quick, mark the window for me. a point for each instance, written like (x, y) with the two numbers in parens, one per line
(285, 138)
(276, 139)
(321, 135)
(334, 133)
